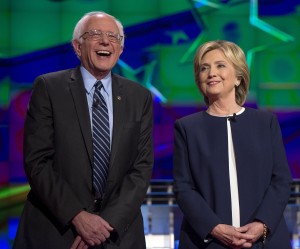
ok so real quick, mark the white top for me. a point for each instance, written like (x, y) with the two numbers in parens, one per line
(234, 188)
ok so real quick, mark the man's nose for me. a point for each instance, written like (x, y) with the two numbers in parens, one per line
(104, 39)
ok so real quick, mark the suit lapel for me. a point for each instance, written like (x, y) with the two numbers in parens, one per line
(119, 100)
(78, 93)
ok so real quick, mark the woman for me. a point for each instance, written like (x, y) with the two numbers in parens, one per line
(231, 176)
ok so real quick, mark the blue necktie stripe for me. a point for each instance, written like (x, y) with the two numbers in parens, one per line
(101, 140)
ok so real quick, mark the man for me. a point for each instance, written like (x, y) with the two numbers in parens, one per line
(65, 206)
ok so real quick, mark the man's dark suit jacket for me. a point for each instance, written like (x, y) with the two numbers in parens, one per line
(58, 162)
(201, 176)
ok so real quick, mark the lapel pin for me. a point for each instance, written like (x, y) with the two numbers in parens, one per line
(119, 97)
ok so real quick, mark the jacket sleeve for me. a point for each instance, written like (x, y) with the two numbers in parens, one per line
(195, 209)
(277, 195)
(49, 189)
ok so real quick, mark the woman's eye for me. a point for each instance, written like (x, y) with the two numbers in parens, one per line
(203, 68)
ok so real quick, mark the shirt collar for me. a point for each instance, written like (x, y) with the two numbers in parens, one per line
(89, 81)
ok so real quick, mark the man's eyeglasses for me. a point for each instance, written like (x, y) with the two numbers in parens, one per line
(96, 35)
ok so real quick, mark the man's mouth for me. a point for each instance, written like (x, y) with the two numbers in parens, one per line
(103, 53)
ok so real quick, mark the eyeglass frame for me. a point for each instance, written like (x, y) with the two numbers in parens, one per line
(118, 37)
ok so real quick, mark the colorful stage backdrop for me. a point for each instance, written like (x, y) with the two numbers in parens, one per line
(161, 39)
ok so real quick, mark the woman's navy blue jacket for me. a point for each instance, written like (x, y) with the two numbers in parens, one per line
(201, 176)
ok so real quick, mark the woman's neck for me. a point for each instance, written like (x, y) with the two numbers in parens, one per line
(218, 109)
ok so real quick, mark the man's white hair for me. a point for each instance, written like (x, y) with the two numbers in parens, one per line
(78, 30)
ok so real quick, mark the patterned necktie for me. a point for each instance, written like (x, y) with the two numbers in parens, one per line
(101, 140)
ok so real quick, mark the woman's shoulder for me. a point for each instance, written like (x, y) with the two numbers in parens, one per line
(191, 118)
(258, 113)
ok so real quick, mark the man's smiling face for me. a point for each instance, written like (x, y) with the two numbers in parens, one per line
(98, 56)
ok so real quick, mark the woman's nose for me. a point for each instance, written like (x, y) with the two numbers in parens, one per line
(211, 72)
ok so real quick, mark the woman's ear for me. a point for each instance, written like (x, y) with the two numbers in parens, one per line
(238, 82)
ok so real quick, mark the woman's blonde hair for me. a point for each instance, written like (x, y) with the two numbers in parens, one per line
(236, 56)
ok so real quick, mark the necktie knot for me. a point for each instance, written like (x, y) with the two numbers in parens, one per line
(98, 85)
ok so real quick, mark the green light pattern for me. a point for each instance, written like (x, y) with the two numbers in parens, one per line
(255, 21)
(8, 192)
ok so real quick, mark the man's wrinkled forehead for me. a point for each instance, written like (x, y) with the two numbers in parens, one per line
(101, 21)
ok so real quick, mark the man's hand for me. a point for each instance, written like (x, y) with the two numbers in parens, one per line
(92, 229)
(79, 243)
(256, 229)
(230, 236)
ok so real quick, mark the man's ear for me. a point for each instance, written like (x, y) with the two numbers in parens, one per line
(77, 47)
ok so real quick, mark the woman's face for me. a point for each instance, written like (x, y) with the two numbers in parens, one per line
(217, 76)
